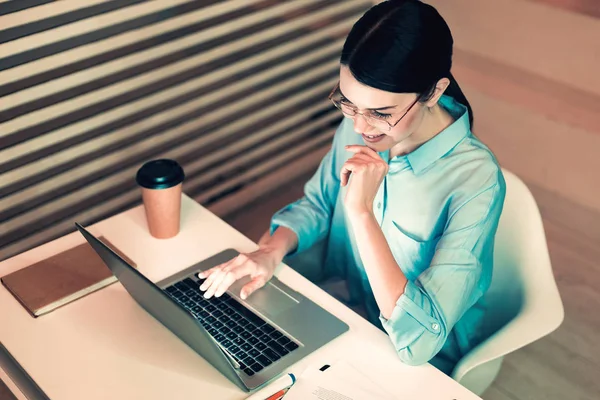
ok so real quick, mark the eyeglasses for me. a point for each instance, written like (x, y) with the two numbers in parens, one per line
(374, 118)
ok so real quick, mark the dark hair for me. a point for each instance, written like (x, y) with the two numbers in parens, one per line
(402, 46)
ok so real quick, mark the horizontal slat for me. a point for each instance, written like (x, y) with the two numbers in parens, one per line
(10, 7)
(74, 197)
(143, 59)
(64, 108)
(52, 22)
(39, 40)
(48, 10)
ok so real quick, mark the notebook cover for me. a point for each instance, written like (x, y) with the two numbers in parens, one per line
(49, 283)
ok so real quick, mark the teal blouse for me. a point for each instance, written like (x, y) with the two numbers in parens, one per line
(438, 208)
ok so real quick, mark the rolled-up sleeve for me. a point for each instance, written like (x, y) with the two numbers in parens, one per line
(458, 275)
(310, 217)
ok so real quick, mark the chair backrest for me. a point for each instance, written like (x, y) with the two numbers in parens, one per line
(522, 270)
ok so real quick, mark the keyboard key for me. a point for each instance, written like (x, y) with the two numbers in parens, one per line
(250, 327)
(225, 319)
(252, 340)
(235, 317)
(242, 355)
(225, 297)
(254, 353)
(267, 329)
(257, 332)
(260, 346)
(276, 335)
(234, 349)
(217, 324)
(183, 299)
(231, 324)
(189, 305)
(211, 320)
(171, 289)
(190, 293)
(219, 338)
(265, 338)
(224, 330)
(227, 343)
(238, 341)
(217, 313)
(238, 329)
(221, 306)
(277, 347)
(210, 308)
(264, 360)
(256, 367)
(248, 372)
(248, 360)
(190, 283)
(181, 286)
(246, 334)
(246, 347)
(197, 298)
(271, 354)
(283, 340)
(232, 335)
(243, 322)
(228, 311)
(196, 309)
(291, 346)
(204, 314)
(213, 331)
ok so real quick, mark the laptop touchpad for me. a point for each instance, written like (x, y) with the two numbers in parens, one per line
(270, 299)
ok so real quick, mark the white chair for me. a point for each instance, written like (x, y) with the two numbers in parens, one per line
(523, 300)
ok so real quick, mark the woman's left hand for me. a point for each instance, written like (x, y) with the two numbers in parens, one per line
(368, 170)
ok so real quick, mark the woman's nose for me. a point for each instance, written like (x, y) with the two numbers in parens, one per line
(360, 124)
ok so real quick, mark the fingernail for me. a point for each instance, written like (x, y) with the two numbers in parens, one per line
(243, 295)
(201, 275)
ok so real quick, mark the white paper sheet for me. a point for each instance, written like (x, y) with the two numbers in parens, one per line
(340, 382)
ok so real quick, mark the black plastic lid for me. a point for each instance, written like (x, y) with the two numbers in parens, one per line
(160, 174)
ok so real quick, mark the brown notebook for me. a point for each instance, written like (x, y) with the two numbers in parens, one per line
(60, 279)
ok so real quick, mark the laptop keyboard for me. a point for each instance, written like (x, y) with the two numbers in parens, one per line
(253, 342)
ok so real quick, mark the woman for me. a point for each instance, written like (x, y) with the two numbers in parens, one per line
(407, 200)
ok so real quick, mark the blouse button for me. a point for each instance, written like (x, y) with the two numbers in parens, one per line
(379, 205)
(435, 326)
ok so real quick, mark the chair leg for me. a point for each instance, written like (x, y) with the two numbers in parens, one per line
(481, 377)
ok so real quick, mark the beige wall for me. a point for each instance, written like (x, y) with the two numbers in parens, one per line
(530, 70)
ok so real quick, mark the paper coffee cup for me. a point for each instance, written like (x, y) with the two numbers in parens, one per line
(161, 182)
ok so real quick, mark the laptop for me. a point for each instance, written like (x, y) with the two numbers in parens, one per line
(250, 342)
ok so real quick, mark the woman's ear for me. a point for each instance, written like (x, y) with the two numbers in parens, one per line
(440, 88)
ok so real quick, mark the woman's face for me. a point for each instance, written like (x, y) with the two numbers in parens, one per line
(384, 105)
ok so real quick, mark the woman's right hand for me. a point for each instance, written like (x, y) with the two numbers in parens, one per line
(260, 265)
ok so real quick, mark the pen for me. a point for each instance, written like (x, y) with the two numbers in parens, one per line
(278, 395)
(281, 384)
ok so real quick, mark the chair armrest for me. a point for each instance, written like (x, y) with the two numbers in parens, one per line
(530, 324)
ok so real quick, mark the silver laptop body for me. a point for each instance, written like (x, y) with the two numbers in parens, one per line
(278, 323)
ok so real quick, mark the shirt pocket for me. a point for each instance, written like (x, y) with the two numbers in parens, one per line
(412, 253)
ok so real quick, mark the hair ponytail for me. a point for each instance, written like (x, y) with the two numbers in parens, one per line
(454, 91)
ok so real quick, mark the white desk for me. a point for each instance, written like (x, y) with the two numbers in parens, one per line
(104, 346)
